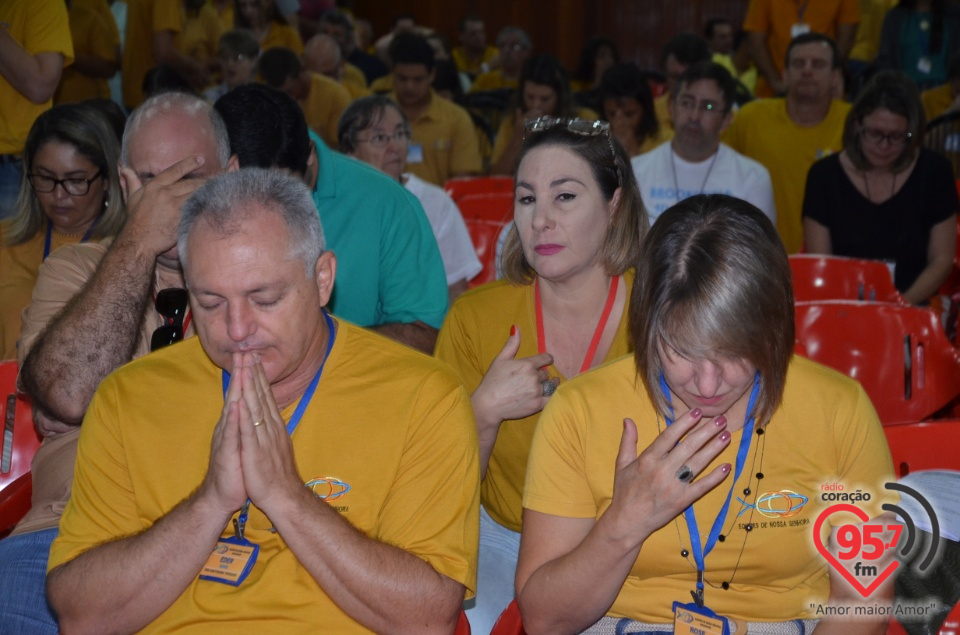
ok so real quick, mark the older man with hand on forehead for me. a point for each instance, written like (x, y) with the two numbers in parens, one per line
(339, 492)
(95, 307)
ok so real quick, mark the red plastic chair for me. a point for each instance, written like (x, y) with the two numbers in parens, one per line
(929, 445)
(496, 207)
(817, 277)
(463, 625)
(459, 187)
(17, 447)
(509, 622)
(899, 354)
(484, 234)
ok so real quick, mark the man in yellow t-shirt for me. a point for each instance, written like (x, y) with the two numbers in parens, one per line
(35, 46)
(773, 23)
(150, 40)
(515, 49)
(443, 143)
(322, 99)
(95, 37)
(788, 134)
(352, 460)
(322, 55)
(473, 56)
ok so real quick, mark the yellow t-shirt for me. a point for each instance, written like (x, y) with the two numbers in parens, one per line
(826, 431)
(382, 84)
(444, 142)
(661, 106)
(19, 267)
(282, 36)
(200, 37)
(867, 42)
(94, 33)
(353, 75)
(226, 15)
(390, 424)
(936, 101)
(144, 18)
(325, 103)
(464, 65)
(763, 131)
(356, 91)
(474, 332)
(748, 78)
(492, 80)
(777, 17)
(38, 27)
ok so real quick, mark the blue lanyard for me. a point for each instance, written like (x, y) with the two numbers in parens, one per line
(46, 241)
(700, 551)
(241, 521)
(801, 11)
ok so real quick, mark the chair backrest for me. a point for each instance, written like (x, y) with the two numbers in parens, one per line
(459, 187)
(817, 277)
(943, 136)
(928, 445)
(19, 444)
(463, 625)
(484, 234)
(509, 622)
(899, 354)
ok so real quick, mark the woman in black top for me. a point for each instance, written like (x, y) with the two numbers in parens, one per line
(884, 197)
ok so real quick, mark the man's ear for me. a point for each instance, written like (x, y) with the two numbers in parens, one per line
(233, 164)
(123, 183)
(325, 274)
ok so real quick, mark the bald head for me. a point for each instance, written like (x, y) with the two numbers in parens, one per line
(322, 55)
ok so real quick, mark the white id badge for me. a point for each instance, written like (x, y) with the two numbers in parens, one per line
(415, 153)
(799, 29)
(924, 65)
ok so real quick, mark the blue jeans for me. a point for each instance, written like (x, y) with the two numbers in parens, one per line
(23, 584)
(496, 570)
(10, 175)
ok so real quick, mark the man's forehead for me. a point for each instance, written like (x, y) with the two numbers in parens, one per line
(706, 88)
(811, 50)
(166, 138)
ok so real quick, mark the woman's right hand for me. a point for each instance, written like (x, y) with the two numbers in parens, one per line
(647, 493)
(511, 388)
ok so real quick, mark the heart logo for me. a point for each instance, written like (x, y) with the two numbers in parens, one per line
(862, 515)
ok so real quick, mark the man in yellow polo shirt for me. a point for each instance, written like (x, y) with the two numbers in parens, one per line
(285, 471)
(787, 134)
(322, 99)
(444, 143)
(35, 45)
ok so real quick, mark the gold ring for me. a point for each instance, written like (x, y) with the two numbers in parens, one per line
(258, 423)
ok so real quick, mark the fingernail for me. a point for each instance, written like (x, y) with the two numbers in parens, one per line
(695, 413)
(724, 436)
(513, 330)
(720, 421)
(725, 468)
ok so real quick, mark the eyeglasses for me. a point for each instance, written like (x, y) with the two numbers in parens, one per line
(877, 137)
(585, 127)
(235, 57)
(74, 187)
(380, 140)
(172, 305)
(689, 104)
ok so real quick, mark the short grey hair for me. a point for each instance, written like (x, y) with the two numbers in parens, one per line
(225, 202)
(515, 30)
(364, 113)
(176, 103)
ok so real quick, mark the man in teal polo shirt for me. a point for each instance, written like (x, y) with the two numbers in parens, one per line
(389, 276)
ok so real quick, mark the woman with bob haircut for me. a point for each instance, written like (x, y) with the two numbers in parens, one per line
(655, 467)
(884, 197)
(69, 193)
(569, 265)
(543, 90)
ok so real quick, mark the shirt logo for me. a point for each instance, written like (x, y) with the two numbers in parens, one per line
(328, 488)
(776, 504)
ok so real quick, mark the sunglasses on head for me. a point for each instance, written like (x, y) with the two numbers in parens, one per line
(172, 305)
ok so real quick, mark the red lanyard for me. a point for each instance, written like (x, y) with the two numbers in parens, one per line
(597, 334)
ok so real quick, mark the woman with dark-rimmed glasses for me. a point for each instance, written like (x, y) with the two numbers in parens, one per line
(568, 263)
(884, 197)
(70, 192)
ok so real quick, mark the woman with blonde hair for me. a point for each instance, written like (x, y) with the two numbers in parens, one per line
(569, 263)
(69, 193)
